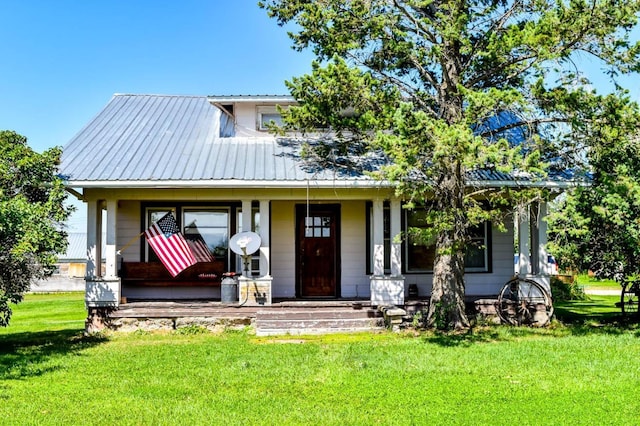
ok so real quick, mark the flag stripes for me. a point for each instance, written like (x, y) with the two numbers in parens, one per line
(170, 245)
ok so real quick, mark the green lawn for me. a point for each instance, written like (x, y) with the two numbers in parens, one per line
(587, 372)
(586, 281)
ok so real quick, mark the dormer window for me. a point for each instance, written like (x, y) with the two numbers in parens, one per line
(267, 114)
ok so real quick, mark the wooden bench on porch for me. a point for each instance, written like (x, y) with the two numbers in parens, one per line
(155, 274)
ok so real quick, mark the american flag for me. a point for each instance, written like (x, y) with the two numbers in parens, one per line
(165, 239)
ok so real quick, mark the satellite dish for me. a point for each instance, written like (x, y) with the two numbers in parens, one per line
(245, 243)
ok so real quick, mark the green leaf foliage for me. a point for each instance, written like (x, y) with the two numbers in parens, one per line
(32, 213)
(448, 89)
(597, 227)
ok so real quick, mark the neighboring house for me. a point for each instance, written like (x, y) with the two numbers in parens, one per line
(325, 233)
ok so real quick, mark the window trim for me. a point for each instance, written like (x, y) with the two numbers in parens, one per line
(178, 208)
(488, 243)
(265, 110)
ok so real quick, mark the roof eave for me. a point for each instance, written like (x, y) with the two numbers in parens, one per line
(228, 183)
(335, 183)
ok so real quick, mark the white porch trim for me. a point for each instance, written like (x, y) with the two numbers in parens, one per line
(533, 257)
(387, 289)
(101, 291)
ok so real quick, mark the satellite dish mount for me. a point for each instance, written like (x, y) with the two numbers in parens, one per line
(245, 244)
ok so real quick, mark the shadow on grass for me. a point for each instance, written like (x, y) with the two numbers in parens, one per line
(29, 354)
(596, 316)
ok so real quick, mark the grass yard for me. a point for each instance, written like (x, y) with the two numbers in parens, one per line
(591, 282)
(586, 372)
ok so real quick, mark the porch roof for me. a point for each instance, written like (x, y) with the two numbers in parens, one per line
(153, 141)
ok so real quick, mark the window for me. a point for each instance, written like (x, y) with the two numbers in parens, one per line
(212, 224)
(266, 115)
(318, 227)
(153, 215)
(420, 257)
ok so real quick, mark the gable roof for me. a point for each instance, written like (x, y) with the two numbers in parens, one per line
(140, 141)
(159, 140)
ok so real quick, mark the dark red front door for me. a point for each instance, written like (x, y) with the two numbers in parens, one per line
(318, 250)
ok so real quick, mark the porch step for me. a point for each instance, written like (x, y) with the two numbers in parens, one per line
(316, 320)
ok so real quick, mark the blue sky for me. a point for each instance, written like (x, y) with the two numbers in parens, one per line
(62, 60)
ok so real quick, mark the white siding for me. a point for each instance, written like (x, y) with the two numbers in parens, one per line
(283, 259)
(355, 281)
(245, 114)
(129, 230)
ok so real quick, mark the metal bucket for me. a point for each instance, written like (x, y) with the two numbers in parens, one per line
(228, 290)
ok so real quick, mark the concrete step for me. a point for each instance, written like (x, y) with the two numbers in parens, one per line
(316, 321)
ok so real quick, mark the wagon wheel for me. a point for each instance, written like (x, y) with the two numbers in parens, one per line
(524, 302)
(629, 298)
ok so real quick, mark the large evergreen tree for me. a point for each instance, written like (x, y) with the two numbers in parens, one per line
(32, 213)
(440, 86)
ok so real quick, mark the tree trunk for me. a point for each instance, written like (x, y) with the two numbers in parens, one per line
(447, 305)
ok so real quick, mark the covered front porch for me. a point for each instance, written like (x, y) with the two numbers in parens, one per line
(368, 258)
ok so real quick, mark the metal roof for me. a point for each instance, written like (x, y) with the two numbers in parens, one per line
(153, 139)
(175, 141)
(77, 248)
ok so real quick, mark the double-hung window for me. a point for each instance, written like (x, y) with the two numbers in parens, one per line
(210, 224)
(420, 255)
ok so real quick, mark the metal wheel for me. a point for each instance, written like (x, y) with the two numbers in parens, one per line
(524, 302)
(629, 298)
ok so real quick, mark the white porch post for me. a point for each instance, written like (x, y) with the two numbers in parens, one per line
(532, 238)
(111, 270)
(100, 291)
(386, 289)
(265, 236)
(543, 267)
(246, 216)
(524, 244)
(396, 246)
(257, 290)
(94, 237)
(378, 238)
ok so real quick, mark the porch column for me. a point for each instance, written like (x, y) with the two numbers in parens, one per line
(246, 216)
(378, 238)
(111, 256)
(265, 236)
(524, 244)
(256, 291)
(386, 290)
(101, 292)
(94, 240)
(543, 265)
(396, 230)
